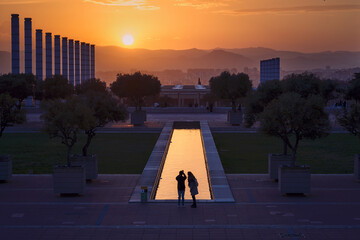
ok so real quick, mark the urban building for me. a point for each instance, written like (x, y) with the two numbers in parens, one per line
(269, 69)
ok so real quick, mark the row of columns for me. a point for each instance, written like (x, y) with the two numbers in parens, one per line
(72, 62)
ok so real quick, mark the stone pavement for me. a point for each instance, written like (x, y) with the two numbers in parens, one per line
(30, 210)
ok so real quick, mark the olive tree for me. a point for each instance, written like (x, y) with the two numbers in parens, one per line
(10, 114)
(105, 109)
(135, 87)
(91, 85)
(64, 119)
(18, 86)
(350, 119)
(230, 87)
(293, 118)
(55, 87)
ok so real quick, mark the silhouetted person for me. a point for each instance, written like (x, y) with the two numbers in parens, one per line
(193, 184)
(181, 186)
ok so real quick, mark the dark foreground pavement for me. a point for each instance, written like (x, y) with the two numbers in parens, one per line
(30, 210)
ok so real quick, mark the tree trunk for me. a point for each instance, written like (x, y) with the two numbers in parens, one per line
(90, 135)
(233, 105)
(285, 148)
(68, 156)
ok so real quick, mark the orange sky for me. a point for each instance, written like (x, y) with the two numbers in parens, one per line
(300, 25)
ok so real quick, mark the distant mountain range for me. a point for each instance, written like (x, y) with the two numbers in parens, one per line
(111, 58)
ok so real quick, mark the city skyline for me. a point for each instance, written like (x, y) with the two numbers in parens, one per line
(306, 26)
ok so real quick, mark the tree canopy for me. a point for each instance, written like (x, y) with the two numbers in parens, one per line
(56, 87)
(350, 119)
(307, 84)
(135, 87)
(93, 85)
(10, 114)
(63, 119)
(105, 109)
(353, 92)
(230, 87)
(259, 99)
(18, 86)
(293, 118)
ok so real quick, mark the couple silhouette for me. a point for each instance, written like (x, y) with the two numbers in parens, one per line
(192, 183)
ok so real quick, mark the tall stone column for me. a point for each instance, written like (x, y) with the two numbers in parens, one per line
(28, 45)
(83, 61)
(87, 62)
(48, 46)
(77, 63)
(65, 57)
(39, 55)
(71, 62)
(92, 73)
(15, 44)
(57, 55)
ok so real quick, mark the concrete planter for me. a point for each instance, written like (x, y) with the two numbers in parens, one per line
(138, 118)
(276, 160)
(357, 167)
(294, 179)
(69, 180)
(5, 167)
(89, 162)
(235, 118)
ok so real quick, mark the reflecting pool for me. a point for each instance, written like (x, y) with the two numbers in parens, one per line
(185, 153)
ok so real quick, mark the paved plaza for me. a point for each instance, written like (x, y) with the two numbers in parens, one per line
(30, 210)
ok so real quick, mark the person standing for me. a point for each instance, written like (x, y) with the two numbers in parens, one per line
(181, 186)
(193, 184)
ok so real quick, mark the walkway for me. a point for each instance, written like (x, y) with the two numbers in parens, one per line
(30, 210)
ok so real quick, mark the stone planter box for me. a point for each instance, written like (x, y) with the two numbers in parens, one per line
(235, 118)
(357, 167)
(294, 179)
(5, 167)
(274, 161)
(69, 180)
(138, 118)
(89, 162)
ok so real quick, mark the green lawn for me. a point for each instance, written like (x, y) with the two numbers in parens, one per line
(129, 152)
(247, 153)
(117, 152)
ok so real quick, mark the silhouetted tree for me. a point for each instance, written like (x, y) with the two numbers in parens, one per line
(350, 119)
(56, 87)
(307, 84)
(353, 91)
(10, 114)
(257, 101)
(63, 119)
(19, 86)
(94, 85)
(135, 87)
(230, 87)
(293, 118)
(105, 109)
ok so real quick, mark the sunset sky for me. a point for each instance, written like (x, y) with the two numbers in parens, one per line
(299, 25)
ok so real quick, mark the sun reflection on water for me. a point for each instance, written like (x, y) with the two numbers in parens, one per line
(185, 153)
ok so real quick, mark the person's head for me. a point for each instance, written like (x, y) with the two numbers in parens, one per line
(190, 174)
(181, 172)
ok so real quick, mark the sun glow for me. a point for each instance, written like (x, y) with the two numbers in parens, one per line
(127, 40)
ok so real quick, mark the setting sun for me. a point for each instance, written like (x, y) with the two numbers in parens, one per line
(127, 39)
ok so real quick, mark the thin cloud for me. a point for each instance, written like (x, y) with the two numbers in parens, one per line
(201, 4)
(139, 4)
(14, 2)
(299, 9)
